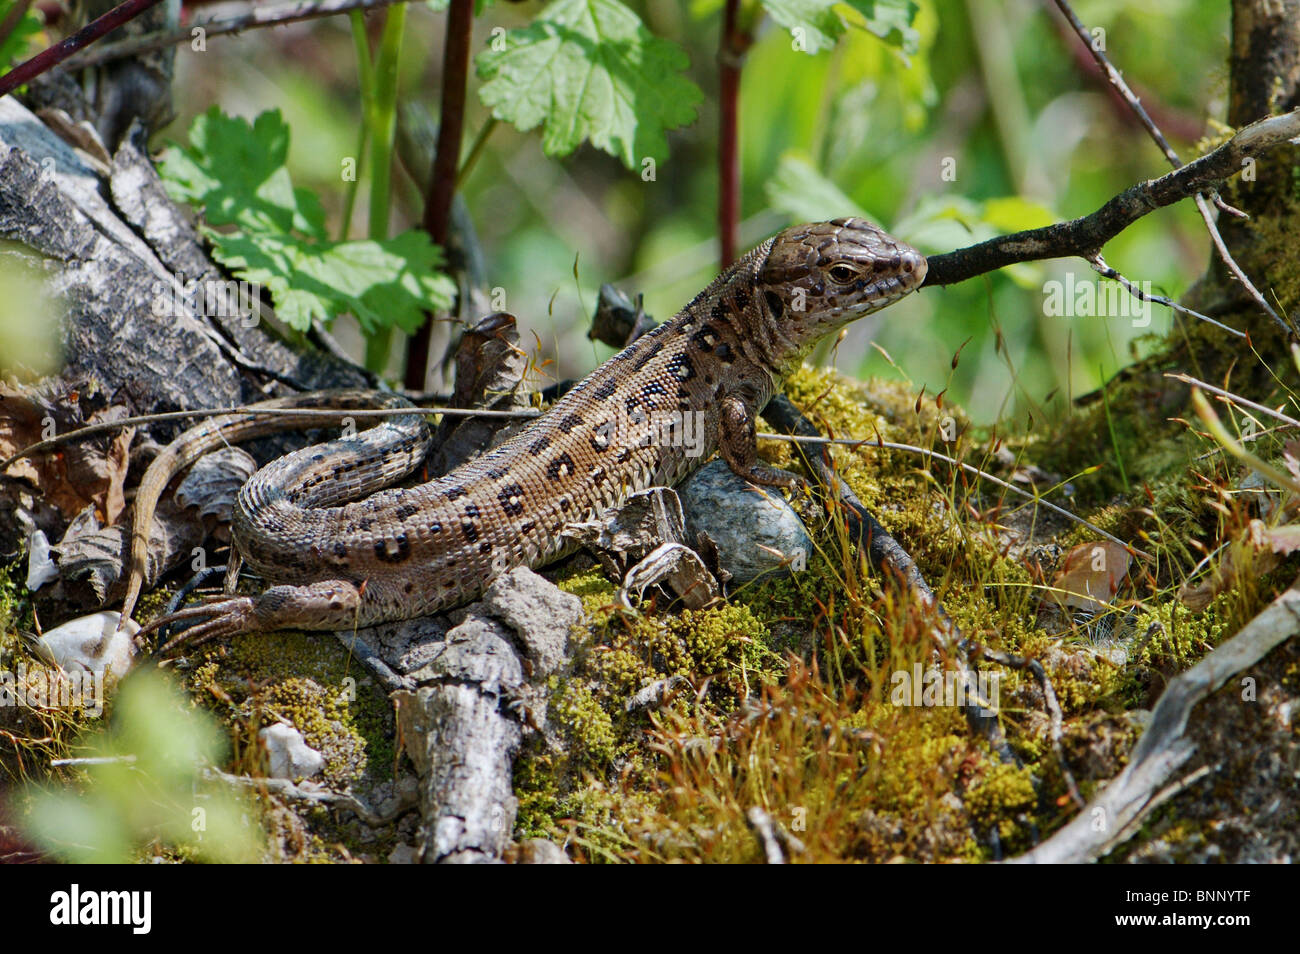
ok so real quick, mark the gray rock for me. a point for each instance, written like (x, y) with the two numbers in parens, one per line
(755, 530)
(291, 757)
(539, 851)
(539, 612)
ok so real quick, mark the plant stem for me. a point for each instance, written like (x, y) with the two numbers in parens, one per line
(732, 45)
(475, 151)
(442, 178)
(92, 31)
(366, 83)
(383, 129)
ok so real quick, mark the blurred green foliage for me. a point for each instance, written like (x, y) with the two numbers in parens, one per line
(144, 790)
(993, 93)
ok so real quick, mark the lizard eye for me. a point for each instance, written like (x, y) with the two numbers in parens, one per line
(842, 274)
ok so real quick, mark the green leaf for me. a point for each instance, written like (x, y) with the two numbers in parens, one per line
(817, 24)
(891, 20)
(235, 172)
(803, 193)
(383, 284)
(15, 46)
(590, 70)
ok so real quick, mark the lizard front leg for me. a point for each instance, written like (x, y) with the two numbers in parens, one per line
(738, 445)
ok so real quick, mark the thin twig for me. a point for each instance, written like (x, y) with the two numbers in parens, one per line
(1101, 268)
(56, 54)
(1085, 236)
(1122, 88)
(1233, 398)
(287, 789)
(326, 414)
(90, 430)
(969, 468)
(254, 18)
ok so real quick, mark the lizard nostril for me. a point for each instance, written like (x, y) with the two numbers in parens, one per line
(907, 268)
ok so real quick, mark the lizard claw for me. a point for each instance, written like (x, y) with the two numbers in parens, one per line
(221, 616)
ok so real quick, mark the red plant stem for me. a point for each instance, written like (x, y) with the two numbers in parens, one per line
(92, 31)
(731, 51)
(442, 182)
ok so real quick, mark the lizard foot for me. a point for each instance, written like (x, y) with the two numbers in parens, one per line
(222, 616)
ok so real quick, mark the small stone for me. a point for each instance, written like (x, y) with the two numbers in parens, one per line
(92, 642)
(403, 855)
(756, 531)
(291, 757)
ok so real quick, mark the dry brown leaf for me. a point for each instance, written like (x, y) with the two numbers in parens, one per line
(1091, 575)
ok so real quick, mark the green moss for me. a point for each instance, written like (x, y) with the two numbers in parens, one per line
(590, 729)
(312, 683)
(1004, 793)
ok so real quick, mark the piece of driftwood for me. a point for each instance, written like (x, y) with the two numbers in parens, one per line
(463, 726)
(1117, 812)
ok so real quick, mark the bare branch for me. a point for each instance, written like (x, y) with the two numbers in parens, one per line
(254, 18)
(1085, 236)
(1122, 88)
(1105, 271)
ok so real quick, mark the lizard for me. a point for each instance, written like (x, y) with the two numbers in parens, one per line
(336, 562)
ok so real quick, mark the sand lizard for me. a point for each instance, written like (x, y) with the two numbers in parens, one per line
(403, 553)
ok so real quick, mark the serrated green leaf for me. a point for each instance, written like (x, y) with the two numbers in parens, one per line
(235, 172)
(817, 24)
(383, 284)
(891, 20)
(590, 70)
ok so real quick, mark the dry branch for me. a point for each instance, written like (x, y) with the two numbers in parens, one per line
(1085, 236)
(1113, 816)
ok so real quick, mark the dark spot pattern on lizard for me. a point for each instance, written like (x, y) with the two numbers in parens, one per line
(559, 468)
(393, 551)
(774, 304)
(606, 389)
(539, 446)
(705, 338)
(512, 499)
(406, 510)
(455, 493)
(569, 422)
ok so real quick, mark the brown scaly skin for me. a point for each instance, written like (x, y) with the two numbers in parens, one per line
(410, 552)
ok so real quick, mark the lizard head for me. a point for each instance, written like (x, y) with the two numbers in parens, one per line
(819, 277)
